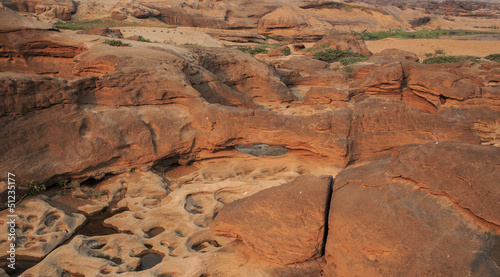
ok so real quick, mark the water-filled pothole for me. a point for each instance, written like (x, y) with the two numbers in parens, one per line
(95, 225)
(149, 261)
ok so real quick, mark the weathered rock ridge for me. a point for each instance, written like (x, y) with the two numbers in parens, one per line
(197, 156)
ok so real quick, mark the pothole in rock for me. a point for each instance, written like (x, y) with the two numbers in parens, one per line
(95, 225)
(154, 232)
(21, 266)
(149, 261)
(260, 150)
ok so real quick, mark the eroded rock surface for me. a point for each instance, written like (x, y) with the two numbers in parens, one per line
(39, 228)
(148, 137)
(428, 210)
(284, 223)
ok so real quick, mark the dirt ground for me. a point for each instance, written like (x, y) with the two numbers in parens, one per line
(421, 47)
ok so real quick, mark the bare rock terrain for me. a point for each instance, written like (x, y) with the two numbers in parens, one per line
(187, 160)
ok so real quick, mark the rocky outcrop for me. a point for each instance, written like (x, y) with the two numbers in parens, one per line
(401, 125)
(39, 228)
(427, 210)
(285, 224)
(60, 9)
(436, 87)
(124, 9)
(344, 41)
(461, 8)
(161, 140)
(292, 22)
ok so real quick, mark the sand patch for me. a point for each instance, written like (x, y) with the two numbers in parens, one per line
(175, 36)
(421, 47)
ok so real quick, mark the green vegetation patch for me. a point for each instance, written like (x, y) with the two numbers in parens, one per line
(35, 188)
(449, 59)
(286, 51)
(108, 23)
(417, 34)
(322, 46)
(143, 39)
(116, 42)
(346, 57)
(493, 57)
(253, 50)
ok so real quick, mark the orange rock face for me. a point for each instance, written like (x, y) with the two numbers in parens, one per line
(426, 211)
(285, 223)
(167, 141)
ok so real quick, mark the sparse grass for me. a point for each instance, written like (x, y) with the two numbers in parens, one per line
(192, 44)
(116, 42)
(348, 69)
(417, 34)
(35, 188)
(143, 39)
(108, 23)
(270, 37)
(66, 186)
(493, 57)
(322, 46)
(449, 59)
(346, 57)
(286, 51)
(439, 51)
(94, 193)
(273, 45)
(253, 51)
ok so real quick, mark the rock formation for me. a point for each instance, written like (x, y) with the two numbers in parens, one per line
(426, 210)
(284, 224)
(184, 160)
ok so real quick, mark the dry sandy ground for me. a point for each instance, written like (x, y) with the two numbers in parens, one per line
(429, 46)
(176, 36)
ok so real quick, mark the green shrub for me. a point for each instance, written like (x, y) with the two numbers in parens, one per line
(253, 51)
(313, 48)
(94, 193)
(116, 42)
(143, 39)
(192, 44)
(348, 69)
(286, 51)
(449, 59)
(493, 57)
(35, 188)
(336, 55)
(417, 34)
(108, 23)
(439, 52)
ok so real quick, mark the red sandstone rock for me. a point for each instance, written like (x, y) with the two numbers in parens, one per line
(279, 51)
(292, 22)
(428, 210)
(285, 223)
(437, 86)
(304, 70)
(345, 41)
(379, 124)
(383, 81)
(125, 8)
(395, 54)
(61, 9)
